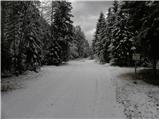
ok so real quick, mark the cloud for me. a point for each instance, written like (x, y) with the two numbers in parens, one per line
(86, 14)
(90, 35)
(92, 31)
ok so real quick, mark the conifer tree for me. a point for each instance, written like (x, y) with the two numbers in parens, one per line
(122, 40)
(100, 38)
(143, 17)
(111, 19)
(62, 28)
(22, 36)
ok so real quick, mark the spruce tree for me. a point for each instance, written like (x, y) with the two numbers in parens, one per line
(22, 36)
(110, 20)
(100, 38)
(122, 40)
(62, 28)
(6, 37)
(143, 17)
(149, 33)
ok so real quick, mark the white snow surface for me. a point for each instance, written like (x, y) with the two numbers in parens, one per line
(78, 89)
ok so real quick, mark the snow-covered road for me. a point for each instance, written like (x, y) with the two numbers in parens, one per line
(80, 89)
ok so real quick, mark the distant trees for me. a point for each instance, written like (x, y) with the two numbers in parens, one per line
(79, 47)
(130, 24)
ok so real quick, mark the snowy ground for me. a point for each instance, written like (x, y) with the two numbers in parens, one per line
(80, 89)
(140, 100)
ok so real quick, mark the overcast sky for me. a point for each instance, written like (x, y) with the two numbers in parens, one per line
(86, 14)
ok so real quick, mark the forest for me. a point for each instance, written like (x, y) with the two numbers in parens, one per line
(131, 27)
(36, 34)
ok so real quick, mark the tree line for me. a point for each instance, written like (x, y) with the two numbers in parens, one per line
(29, 41)
(130, 27)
